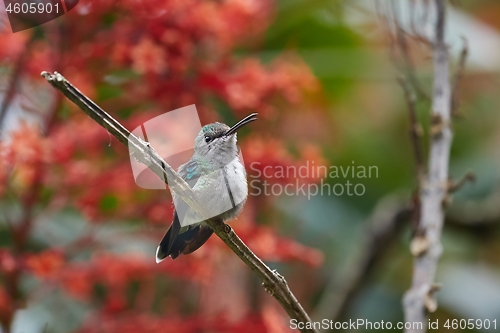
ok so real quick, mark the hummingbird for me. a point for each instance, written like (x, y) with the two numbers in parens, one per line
(218, 180)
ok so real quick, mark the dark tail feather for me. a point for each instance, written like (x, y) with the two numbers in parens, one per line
(167, 243)
(198, 237)
(174, 243)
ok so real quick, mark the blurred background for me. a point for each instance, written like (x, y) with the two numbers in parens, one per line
(78, 236)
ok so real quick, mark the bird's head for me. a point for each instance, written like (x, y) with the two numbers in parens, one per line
(217, 141)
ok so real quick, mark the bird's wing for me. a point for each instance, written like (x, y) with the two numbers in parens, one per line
(186, 239)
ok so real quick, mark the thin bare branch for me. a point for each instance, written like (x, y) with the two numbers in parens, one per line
(416, 130)
(400, 52)
(15, 77)
(426, 245)
(274, 283)
(454, 186)
(409, 66)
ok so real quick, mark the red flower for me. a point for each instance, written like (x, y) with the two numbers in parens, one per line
(148, 57)
(45, 264)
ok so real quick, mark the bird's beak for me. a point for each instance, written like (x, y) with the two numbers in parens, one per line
(241, 123)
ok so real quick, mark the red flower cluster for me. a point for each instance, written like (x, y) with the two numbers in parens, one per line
(269, 159)
(150, 324)
(252, 86)
(46, 264)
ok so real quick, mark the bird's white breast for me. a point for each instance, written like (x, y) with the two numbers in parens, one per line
(222, 193)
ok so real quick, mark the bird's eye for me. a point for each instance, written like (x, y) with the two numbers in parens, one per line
(207, 139)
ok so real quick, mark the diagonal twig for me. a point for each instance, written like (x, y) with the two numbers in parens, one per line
(454, 186)
(408, 64)
(415, 128)
(274, 283)
(14, 80)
